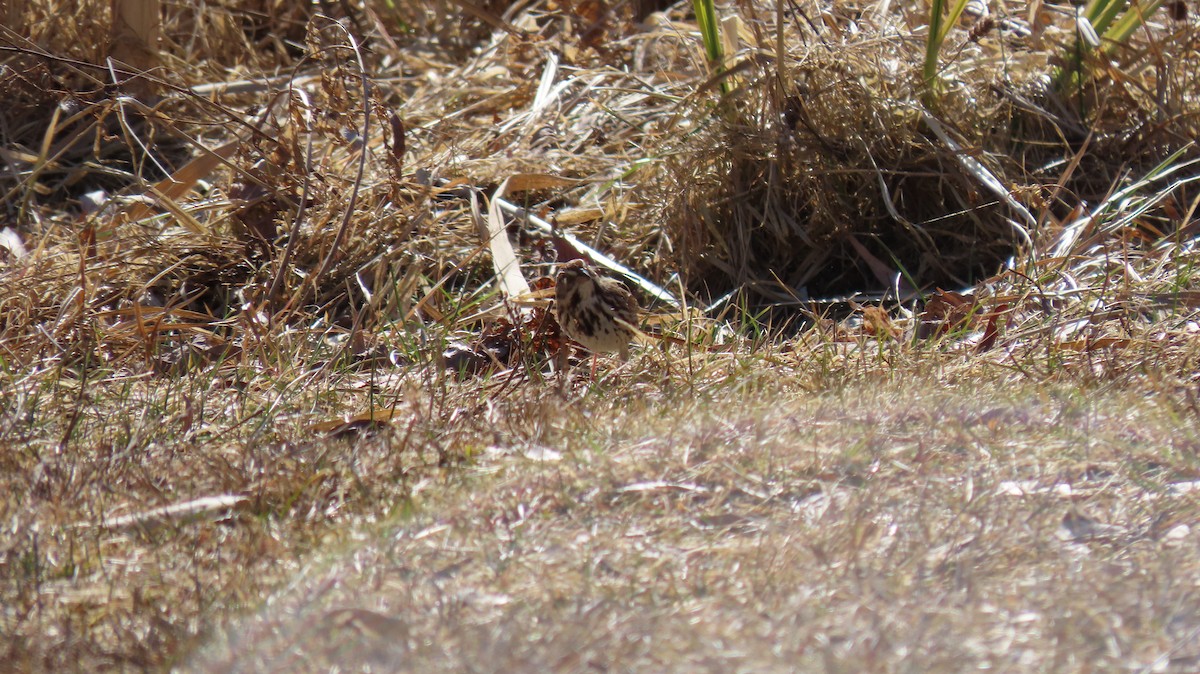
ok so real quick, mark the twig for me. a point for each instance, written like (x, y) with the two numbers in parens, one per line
(294, 236)
(362, 160)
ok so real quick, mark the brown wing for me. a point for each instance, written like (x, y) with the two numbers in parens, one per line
(619, 300)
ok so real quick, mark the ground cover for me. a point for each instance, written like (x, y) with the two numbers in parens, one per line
(269, 401)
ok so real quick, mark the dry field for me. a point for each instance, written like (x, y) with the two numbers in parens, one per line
(274, 396)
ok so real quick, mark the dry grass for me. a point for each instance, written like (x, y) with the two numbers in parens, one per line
(1006, 480)
(877, 526)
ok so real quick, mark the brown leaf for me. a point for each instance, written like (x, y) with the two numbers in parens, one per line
(398, 140)
(992, 330)
(182, 181)
(541, 283)
(361, 423)
(503, 343)
(576, 216)
(593, 27)
(525, 182)
(877, 322)
(946, 310)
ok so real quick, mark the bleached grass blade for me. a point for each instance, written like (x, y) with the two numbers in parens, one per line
(1127, 202)
(983, 175)
(206, 508)
(504, 258)
(594, 255)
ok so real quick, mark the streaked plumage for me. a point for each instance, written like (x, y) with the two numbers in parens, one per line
(598, 312)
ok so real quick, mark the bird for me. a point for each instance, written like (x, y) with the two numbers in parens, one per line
(597, 312)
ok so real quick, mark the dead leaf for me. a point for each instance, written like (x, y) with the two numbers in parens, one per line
(575, 216)
(527, 182)
(877, 322)
(946, 310)
(565, 251)
(182, 181)
(992, 330)
(371, 420)
(399, 141)
(503, 344)
(1085, 345)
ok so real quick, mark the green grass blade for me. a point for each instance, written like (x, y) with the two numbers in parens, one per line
(939, 28)
(1108, 13)
(1133, 19)
(706, 17)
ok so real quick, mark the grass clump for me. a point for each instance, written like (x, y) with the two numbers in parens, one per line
(822, 176)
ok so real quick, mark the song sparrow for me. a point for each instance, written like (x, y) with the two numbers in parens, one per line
(598, 312)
